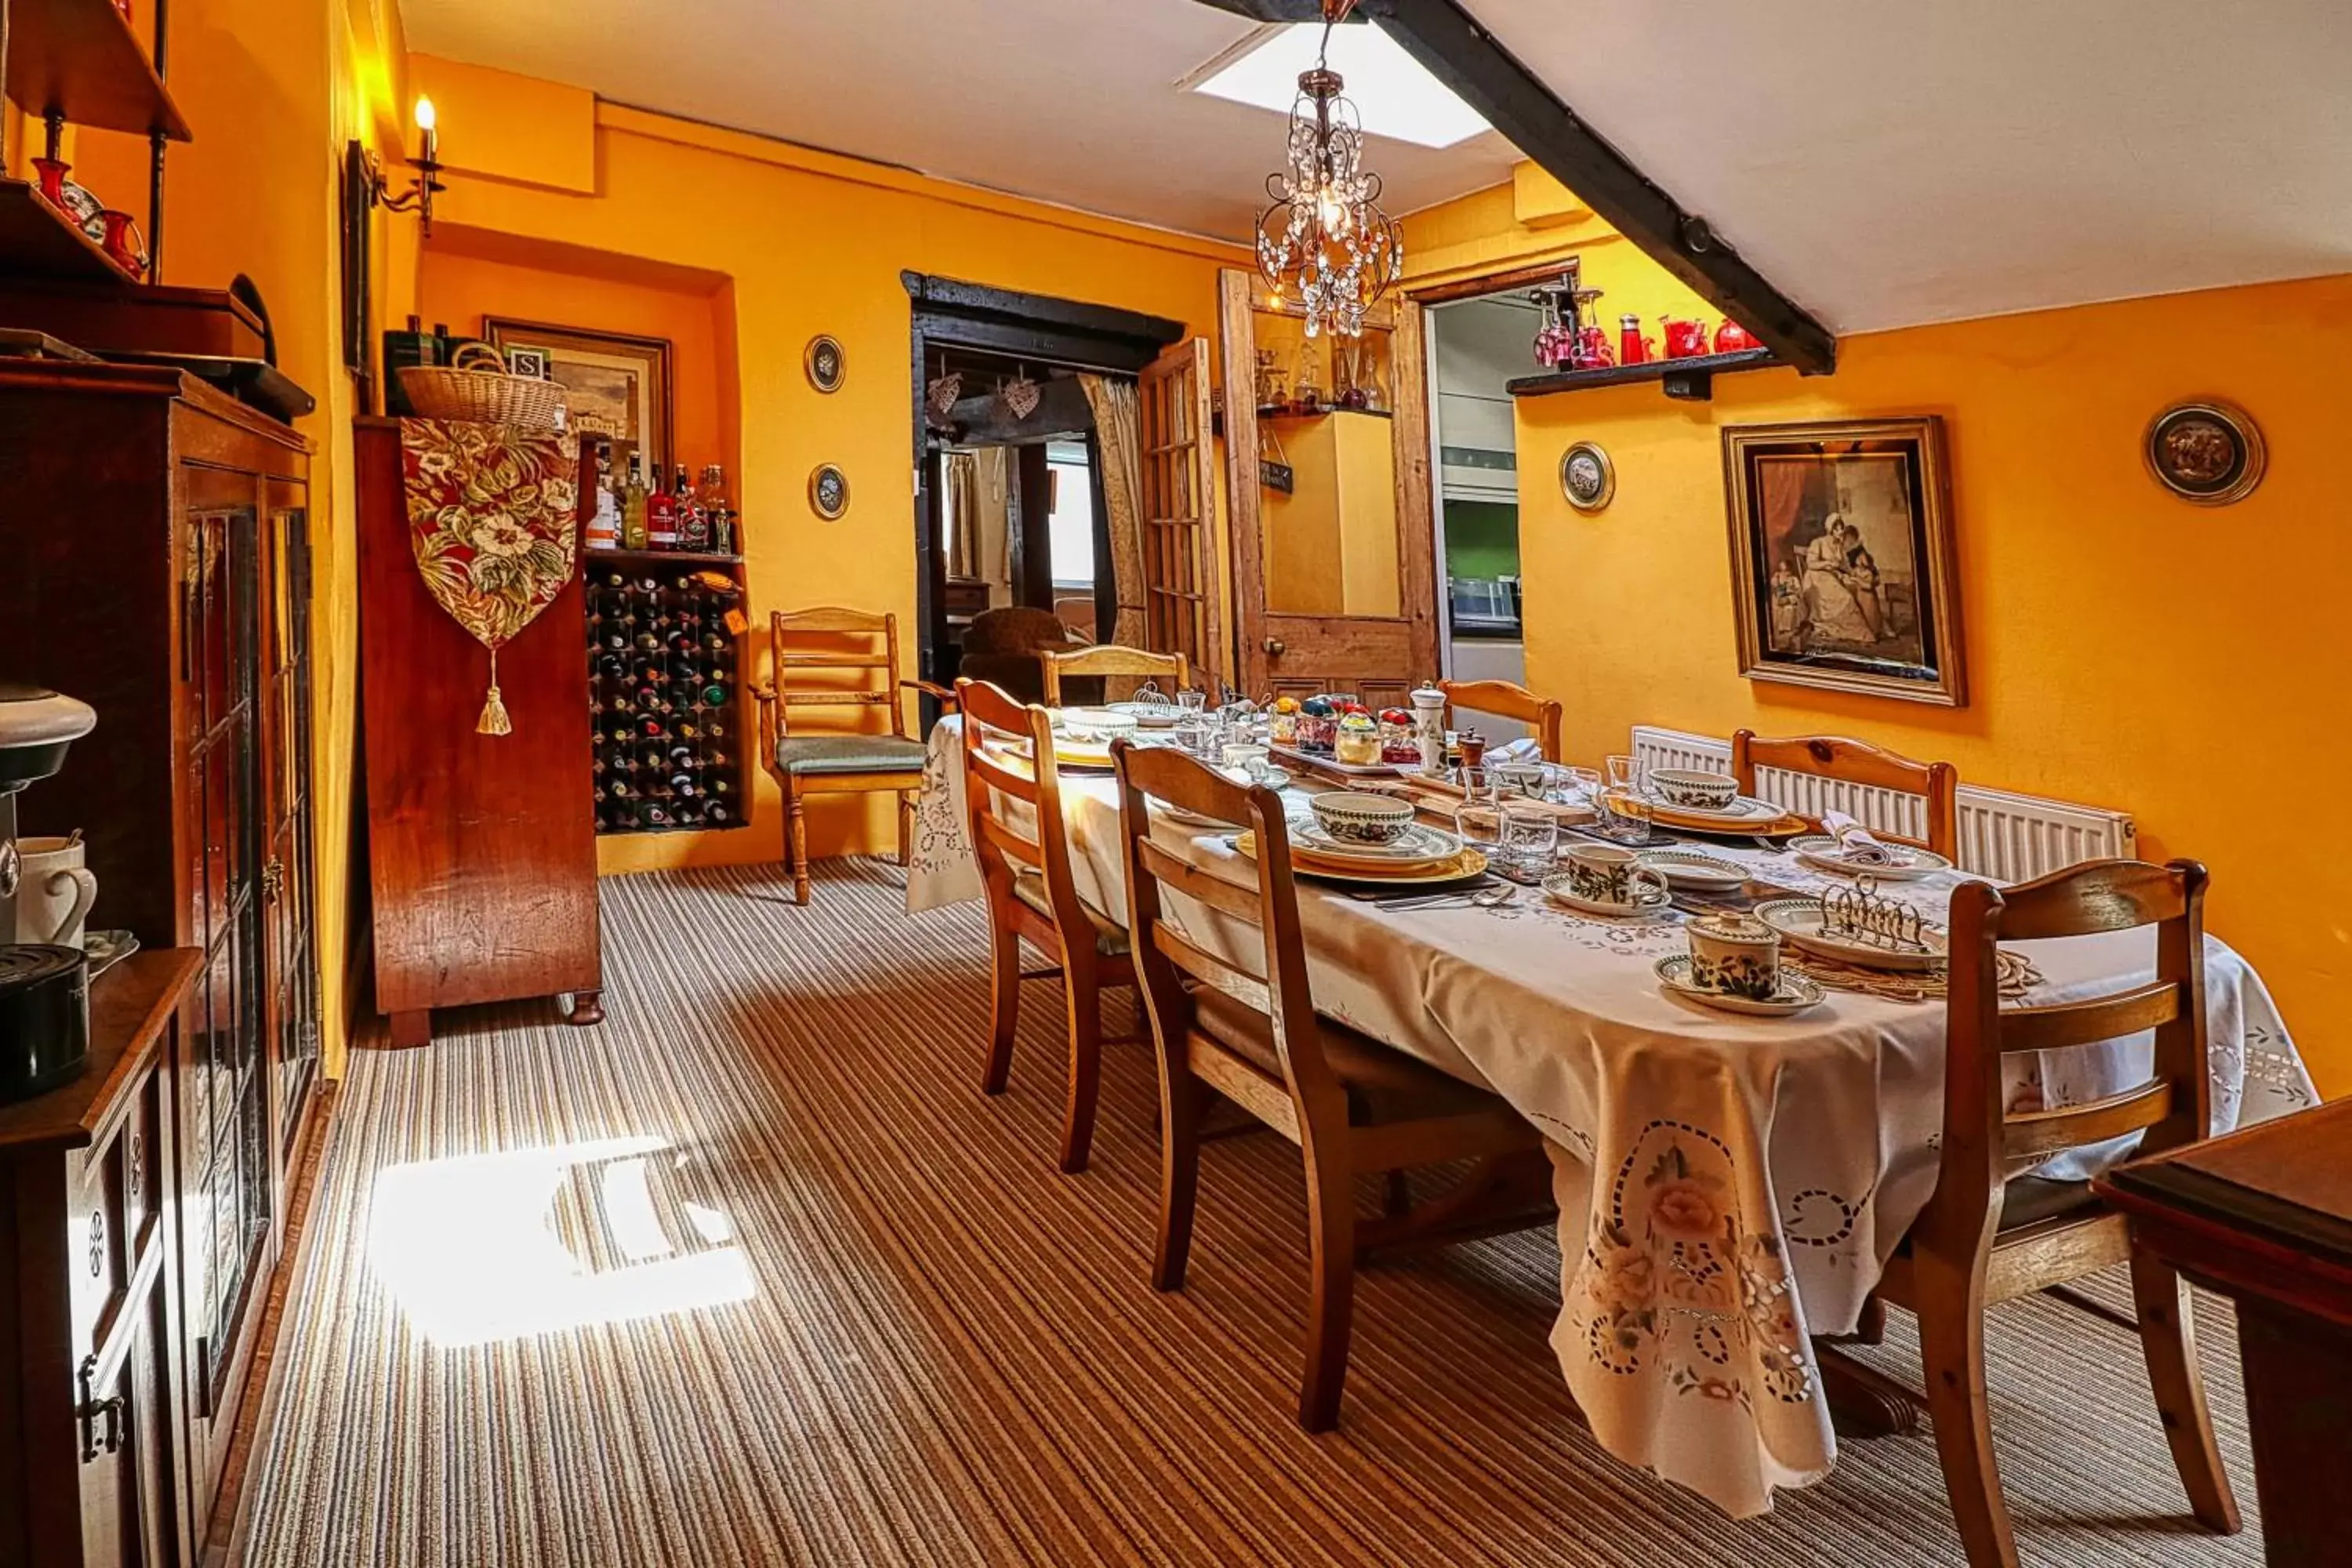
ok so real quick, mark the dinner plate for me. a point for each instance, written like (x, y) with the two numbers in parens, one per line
(1183, 818)
(1770, 823)
(1151, 715)
(1653, 904)
(1744, 811)
(1691, 869)
(1091, 722)
(1820, 850)
(1797, 993)
(1800, 921)
(1465, 866)
(1419, 846)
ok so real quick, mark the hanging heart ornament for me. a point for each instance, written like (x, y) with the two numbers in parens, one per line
(942, 394)
(1022, 395)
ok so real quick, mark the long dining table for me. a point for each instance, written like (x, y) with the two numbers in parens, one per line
(1729, 1187)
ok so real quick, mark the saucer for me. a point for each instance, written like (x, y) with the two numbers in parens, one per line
(1690, 869)
(1798, 992)
(1908, 864)
(1802, 922)
(1556, 889)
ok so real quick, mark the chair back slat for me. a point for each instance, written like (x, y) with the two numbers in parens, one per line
(1510, 700)
(1200, 886)
(1859, 762)
(2097, 895)
(1111, 659)
(993, 725)
(1211, 971)
(1017, 845)
(2032, 1136)
(810, 641)
(2063, 1024)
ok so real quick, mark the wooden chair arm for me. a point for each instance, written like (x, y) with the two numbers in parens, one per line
(766, 697)
(931, 689)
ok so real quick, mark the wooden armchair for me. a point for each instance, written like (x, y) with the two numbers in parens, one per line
(1110, 658)
(1861, 763)
(1008, 755)
(853, 648)
(1250, 1033)
(1988, 1234)
(1506, 701)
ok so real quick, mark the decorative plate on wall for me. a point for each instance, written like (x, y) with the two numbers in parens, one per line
(829, 492)
(1587, 477)
(2207, 451)
(825, 363)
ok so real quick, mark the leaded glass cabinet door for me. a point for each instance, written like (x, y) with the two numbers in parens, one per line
(287, 879)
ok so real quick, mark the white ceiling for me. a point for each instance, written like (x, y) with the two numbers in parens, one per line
(1072, 101)
(1887, 162)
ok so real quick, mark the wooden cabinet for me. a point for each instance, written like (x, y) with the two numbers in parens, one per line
(159, 540)
(88, 1408)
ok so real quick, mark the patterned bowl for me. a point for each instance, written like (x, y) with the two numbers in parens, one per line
(1686, 786)
(1355, 817)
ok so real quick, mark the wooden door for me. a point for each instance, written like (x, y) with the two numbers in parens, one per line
(1361, 615)
(290, 972)
(1183, 607)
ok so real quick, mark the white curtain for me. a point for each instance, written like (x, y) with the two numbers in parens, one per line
(1118, 433)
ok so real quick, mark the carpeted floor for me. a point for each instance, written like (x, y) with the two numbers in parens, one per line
(837, 1308)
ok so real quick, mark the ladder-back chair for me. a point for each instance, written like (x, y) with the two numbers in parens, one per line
(1991, 1233)
(1508, 701)
(1871, 767)
(1025, 864)
(1249, 1032)
(1111, 659)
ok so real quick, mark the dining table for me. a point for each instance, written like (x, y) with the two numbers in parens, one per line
(1729, 1187)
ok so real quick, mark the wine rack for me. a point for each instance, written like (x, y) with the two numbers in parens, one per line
(665, 691)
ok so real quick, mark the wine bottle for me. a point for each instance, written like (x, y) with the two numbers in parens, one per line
(633, 522)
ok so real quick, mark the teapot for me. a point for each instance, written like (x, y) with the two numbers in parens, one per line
(1685, 340)
(1731, 337)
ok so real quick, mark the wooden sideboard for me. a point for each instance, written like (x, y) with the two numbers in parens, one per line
(158, 542)
(481, 849)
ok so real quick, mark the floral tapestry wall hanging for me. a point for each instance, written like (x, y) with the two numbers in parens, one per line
(492, 518)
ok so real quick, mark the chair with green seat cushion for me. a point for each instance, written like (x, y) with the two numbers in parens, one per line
(830, 658)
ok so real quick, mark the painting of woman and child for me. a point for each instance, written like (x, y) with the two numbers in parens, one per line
(1841, 557)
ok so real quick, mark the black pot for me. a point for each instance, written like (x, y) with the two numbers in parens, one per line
(44, 1018)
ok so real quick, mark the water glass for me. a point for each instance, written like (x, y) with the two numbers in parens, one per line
(1480, 829)
(1625, 817)
(1478, 787)
(1196, 737)
(1193, 699)
(1530, 841)
(1580, 786)
(1630, 775)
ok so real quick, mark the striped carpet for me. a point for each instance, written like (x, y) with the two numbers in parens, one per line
(843, 1311)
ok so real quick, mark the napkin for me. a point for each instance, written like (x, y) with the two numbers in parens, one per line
(1525, 748)
(1855, 844)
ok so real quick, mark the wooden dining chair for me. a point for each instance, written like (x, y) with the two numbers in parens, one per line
(1248, 1031)
(1991, 1233)
(1025, 864)
(1860, 763)
(849, 652)
(1506, 699)
(1111, 659)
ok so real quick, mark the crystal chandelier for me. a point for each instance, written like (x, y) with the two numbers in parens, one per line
(1324, 242)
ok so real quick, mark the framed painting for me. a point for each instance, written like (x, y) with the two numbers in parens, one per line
(618, 386)
(1843, 575)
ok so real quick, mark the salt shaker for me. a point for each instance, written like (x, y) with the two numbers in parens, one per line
(1428, 727)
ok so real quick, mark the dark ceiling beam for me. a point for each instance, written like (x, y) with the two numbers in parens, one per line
(1515, 101)
(1274, 10)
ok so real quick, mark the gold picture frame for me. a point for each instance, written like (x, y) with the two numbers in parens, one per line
(1844, 573)
(2206, 451)
(1586, 478)
(618, 386)
(828, 491)
(824, 362)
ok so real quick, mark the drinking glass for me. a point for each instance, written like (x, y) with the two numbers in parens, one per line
(1530, 841)
(1480, 829)
(1580, 784)
(1625, 817)
(1195, 736)
(1193, 699)
(1477, 785)
(1631, 774)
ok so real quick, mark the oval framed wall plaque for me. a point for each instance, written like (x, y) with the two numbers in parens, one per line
(1586, 478)
(2206, 451)
(826, 364)
(829, 492)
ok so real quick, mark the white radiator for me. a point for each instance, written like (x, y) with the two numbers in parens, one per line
(2008, 837)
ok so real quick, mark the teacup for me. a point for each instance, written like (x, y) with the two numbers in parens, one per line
(1518, 778)
(1735, 955)
(1604, 873)
(55, 892)
(1354, 817)
(1690, 787)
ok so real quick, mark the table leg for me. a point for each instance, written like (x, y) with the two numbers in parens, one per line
(2298, 1390)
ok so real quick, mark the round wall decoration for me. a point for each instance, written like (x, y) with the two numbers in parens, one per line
(829, 491)
(2207, 451)
(825, 363)
(1587, 477)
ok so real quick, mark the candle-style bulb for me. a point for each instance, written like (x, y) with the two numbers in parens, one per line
(427, 132)
(424, 113)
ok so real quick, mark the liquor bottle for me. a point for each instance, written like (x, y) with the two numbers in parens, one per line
(715, 510)
(634, 527)
(604, 530)
(661, 515)
(693, 518)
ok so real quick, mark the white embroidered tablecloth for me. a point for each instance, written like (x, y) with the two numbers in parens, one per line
(1729, 1187)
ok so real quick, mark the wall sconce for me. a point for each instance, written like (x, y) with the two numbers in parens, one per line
(418, 198)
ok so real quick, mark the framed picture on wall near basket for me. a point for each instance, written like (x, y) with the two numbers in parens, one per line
(1842, 570)
(618, 386)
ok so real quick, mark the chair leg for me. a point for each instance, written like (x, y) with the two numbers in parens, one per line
(1182, 1103)
(1083, 993)
(906, 828)
(2167, 1338)
(1870, 1328)
(796, 840)
(1331, 1313)
(1004, 995)
(1952, 1346)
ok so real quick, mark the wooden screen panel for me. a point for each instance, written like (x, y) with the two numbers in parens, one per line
(1182, 610)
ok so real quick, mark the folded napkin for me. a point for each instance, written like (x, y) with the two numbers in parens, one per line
(1855, 844)
(1525, 748)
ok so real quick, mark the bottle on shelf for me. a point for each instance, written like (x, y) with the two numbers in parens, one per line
(661, 514)
(716, 510)
(634, 523)
(604, 528)
(693, 520)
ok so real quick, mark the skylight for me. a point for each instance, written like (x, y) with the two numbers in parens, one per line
(1396, 97)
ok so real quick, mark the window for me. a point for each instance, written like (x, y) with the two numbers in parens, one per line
(1072, 524)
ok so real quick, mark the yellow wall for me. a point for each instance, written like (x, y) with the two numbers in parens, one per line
(810, 242)
(273, 90)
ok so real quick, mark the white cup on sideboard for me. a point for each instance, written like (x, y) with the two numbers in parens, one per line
(54, 897)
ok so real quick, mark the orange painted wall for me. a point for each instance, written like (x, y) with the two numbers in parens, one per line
(809, 242)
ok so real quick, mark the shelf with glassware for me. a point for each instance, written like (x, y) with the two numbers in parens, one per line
(665, 594)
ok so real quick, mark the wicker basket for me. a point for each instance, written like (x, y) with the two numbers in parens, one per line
(488, 396)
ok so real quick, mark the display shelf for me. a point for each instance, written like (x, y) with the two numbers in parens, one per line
(673, 557)
(1690, 380)
(38, 240)
(1321, 411)
(81, 60)
(651, 727)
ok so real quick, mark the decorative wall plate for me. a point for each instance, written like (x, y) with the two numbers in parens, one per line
(829, 491)
(2207, 451)
(825, 363)
(1587, 477)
